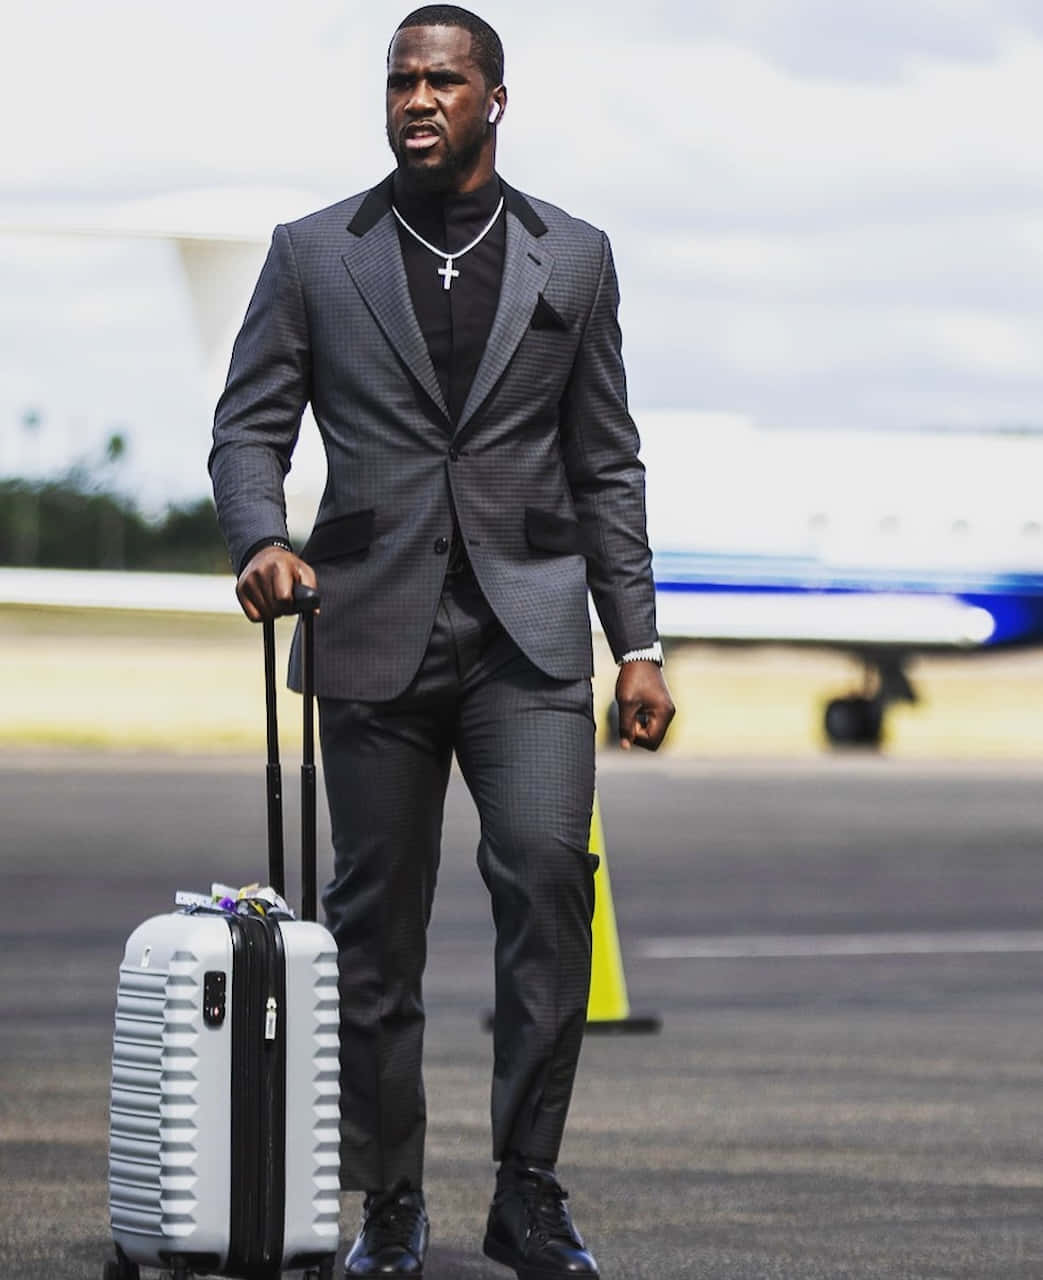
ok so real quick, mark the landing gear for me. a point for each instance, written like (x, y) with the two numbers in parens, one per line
(858, 720)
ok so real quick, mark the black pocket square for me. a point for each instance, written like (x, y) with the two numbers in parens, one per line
(545, 317)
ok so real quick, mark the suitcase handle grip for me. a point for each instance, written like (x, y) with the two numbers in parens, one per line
(305, 599)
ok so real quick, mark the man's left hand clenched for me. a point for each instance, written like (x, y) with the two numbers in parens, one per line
(645, 705)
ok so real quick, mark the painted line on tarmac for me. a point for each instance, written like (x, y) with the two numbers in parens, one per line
(818, 946)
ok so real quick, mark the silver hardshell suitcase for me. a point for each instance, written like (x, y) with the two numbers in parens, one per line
(224, 1122)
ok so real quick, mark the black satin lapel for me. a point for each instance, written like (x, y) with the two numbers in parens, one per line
(526, 269)
(374, 262)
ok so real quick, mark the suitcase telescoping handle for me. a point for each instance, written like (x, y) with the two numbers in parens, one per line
(305, 602)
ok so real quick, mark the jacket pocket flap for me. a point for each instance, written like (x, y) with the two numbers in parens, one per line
(341, 536)
(550, 532)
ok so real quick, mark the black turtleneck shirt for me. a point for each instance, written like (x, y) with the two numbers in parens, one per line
(456, 321)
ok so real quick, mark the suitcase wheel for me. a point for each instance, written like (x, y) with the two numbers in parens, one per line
(120, 1268)
(323, 1272)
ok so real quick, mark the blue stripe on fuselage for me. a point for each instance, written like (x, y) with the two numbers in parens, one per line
(1013, 600)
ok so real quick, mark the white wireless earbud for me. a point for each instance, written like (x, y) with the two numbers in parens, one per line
(494, 113)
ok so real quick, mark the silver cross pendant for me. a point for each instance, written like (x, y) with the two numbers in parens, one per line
(448, 274)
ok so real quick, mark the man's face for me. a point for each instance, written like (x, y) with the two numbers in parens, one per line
(437, 109)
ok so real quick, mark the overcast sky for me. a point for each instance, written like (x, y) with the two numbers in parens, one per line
(824, 212)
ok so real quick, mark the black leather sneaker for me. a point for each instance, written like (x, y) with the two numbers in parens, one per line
(530, 1228)
(394, 1235)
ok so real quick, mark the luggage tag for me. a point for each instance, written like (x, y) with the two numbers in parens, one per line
(264, 900)
(194, 901)
(185, 899)
(222, 899)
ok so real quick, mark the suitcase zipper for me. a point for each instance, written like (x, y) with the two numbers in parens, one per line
(274, 1068)
(258, 1105)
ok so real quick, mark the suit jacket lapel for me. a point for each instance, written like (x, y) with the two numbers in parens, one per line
(374, 261)
(526, 269)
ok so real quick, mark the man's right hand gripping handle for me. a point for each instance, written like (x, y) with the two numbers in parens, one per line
(265, 586)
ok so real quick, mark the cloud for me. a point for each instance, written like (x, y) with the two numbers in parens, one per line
(841, 40)
(822, 212)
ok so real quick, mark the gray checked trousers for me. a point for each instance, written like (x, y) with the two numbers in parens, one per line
(525, 745)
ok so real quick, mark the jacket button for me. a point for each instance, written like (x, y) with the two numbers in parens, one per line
(441, 545)
(453, 455)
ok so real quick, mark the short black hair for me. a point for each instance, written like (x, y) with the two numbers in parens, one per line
(486, 46)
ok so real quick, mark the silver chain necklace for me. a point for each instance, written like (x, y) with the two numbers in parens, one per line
(448, 273)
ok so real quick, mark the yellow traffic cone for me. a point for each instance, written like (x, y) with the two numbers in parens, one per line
(608, 1008)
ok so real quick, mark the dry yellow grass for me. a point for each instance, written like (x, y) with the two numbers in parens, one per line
(770, 702)
(186, 683)
(135, 681)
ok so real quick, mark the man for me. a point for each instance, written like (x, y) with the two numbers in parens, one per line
(458, 343)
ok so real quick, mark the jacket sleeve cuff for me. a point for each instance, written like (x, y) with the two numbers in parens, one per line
(259, 545)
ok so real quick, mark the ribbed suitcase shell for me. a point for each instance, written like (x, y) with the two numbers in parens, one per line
(170, 1187)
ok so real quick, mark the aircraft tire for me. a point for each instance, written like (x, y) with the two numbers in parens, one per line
(854, 722)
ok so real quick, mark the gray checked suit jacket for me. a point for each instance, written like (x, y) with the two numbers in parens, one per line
(542, 467)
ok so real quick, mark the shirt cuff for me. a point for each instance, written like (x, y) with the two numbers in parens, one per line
(654, 653)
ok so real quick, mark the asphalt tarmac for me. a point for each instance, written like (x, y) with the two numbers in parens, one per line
(847, 956)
